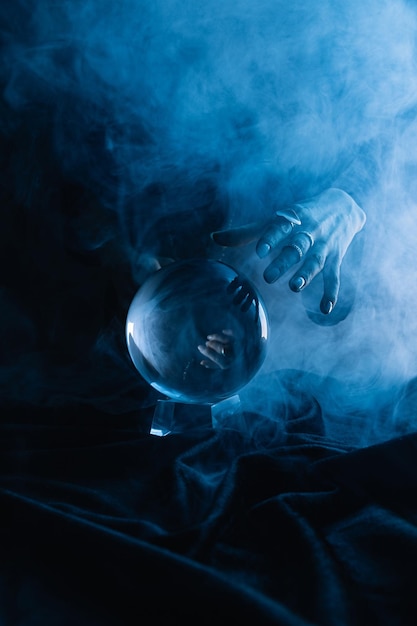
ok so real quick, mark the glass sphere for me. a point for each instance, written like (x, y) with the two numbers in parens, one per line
(197, 331)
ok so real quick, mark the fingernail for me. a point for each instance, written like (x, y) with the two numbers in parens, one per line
(297, 283)
(201, 348)
(262, 249)
(327, 307)
(214, 234)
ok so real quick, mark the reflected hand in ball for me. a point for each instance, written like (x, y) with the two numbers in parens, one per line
(218, 350)
(197, 331)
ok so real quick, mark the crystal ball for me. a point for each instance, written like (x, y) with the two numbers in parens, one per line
(197, 331)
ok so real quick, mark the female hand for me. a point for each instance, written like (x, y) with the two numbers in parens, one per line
(314, 234)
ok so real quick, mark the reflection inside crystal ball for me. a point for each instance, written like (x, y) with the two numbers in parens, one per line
(197, 331)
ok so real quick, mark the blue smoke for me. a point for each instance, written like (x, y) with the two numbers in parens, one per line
(119, 117)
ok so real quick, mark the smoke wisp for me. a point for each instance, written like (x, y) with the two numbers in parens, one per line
(136, 126)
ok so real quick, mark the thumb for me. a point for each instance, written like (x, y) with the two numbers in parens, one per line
(239, 236)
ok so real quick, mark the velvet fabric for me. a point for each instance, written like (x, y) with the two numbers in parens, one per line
(278, 524)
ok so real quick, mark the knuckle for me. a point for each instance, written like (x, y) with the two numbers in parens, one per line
(318, 259)
(279, 265)
(273, 235)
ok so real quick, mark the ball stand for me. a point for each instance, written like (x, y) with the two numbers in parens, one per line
(171, 417)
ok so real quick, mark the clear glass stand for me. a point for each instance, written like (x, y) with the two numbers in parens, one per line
(172, 417)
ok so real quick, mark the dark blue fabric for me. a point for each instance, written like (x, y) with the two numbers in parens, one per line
(102, 525)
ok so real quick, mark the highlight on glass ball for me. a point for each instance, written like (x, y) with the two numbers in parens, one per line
(197, 331)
